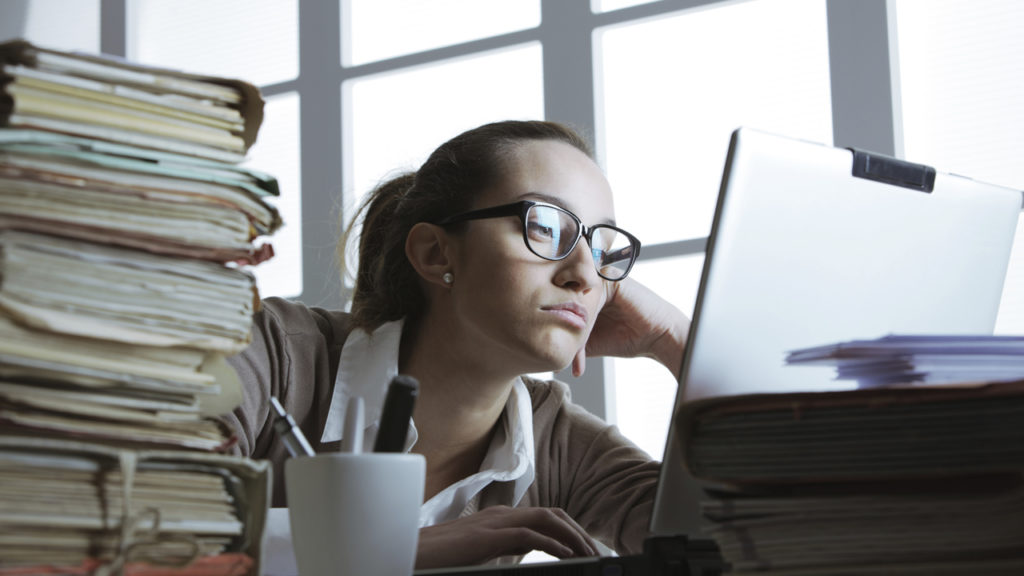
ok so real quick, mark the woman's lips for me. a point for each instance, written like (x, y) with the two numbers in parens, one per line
(570, 312)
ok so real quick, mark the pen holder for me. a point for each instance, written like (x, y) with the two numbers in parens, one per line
(355, 514)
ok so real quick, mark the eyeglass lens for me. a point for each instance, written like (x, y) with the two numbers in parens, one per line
(552, 233)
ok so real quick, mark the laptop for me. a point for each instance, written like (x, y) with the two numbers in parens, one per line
(812, 244)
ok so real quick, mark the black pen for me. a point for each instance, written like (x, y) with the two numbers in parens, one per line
(292, 437)
(396, 413)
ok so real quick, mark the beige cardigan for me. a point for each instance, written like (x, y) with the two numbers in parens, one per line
(583, 465)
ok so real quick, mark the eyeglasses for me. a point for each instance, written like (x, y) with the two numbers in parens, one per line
(552, 233)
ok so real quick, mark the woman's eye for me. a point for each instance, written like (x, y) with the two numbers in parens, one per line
(540, 231)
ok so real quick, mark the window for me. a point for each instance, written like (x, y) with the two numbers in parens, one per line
(644, 391)
(278, 151)
(57, 24)
(961, 89)
(610, 5)
(396, 119)
(255, 40)
(705, 73)
(380, 29)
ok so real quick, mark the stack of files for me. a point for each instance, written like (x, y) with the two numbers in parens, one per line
(127, 196)
(950, 526)
(126, 234)
(923, 476)
(122, 295)
(142, 336)
(113, 100)
(66, 502)
(58, 386)
(869, 434)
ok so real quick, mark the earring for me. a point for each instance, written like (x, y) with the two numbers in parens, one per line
(448, 278)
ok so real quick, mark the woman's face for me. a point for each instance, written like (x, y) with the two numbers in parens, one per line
(520, 311)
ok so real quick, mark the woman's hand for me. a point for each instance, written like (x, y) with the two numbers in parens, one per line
(502, 531)
(636, 322)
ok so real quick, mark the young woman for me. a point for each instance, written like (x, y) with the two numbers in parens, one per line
(498, 258)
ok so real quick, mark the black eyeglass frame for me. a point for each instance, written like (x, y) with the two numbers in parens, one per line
(522, 209)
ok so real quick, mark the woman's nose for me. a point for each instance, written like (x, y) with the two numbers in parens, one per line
(578, 267)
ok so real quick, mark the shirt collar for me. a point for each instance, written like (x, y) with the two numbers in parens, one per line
(519, 422)
(368, 363)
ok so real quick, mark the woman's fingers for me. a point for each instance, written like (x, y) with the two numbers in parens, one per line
(579, 362)
(557, 524)
(503, 531)
(520, 540)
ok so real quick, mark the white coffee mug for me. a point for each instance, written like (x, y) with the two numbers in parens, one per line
(355, 514)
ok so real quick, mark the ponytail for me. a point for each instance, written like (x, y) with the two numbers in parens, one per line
(384, 288)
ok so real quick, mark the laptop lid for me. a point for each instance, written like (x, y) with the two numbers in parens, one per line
(812, 244)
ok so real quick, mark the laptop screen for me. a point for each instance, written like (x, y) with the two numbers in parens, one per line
(804, 252)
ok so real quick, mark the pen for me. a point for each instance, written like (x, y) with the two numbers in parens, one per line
(294, 441)
(394, 418)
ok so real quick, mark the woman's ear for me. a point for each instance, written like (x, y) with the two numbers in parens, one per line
(428, 248)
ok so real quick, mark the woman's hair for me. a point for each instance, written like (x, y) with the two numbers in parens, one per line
(386, 285)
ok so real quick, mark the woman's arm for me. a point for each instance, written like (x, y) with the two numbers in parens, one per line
(292, 356)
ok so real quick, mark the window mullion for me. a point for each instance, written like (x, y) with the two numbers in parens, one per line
(864, 108)
(320, 127)
(114, 27)
(566, 33)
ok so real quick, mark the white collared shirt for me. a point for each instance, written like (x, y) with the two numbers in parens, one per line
(369, 361)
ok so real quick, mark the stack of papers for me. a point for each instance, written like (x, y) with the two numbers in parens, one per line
(176, 379)
(925, 359)
(918, 471)
(187, 510)
(121, 195)
(857, 435)
(113, 100)
(925, 528)
(123, 295)
(126, 232)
